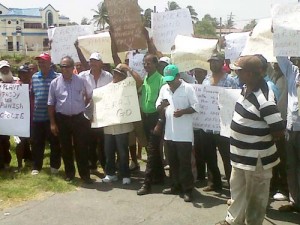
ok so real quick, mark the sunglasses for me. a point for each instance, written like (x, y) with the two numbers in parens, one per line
(65, 66)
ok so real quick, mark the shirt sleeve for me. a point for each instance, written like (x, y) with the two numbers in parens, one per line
(193, 100)
(160, 97)
(287, 67)
(51, 94)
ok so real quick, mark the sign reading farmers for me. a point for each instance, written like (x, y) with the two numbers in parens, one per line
(126, 23)
(14, 110)
(286, 27)
(116, 103)
(63, 39)
(167, 25)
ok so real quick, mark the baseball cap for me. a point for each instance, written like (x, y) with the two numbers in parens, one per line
(165, 59)
(170, 72)
(250, 63)
(24, 68)
(96, 56)
(45, 56)
(216, 56)
(119, 69)
(4, 63)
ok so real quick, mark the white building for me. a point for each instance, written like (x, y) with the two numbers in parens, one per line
(26, 29)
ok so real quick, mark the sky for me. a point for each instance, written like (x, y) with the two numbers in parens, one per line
(243, 11)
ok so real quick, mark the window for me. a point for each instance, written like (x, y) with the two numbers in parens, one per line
(50, 19)
(9, 22)
(17, 22)
(33, 25)
(0, 12)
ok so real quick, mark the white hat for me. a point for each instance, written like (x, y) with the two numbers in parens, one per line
(4, 63)
(96, 55)
(165, 59)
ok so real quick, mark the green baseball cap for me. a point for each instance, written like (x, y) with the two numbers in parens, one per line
(170, 72)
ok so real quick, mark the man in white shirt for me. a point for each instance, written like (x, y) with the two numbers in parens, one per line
(179, 101)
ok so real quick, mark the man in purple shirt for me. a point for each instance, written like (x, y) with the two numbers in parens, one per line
(66, 106)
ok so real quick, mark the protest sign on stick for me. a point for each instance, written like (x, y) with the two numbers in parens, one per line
(167, 25)
(14, 110)
(116, 103)
(235, 43)
(126, 22)
(136, 62)
(63, 41)
(286, 27)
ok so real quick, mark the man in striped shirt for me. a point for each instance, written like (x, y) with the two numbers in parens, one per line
(40, 122)
(256, 124)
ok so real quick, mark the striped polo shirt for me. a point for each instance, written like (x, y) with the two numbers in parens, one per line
(40, 90)
(255, 117)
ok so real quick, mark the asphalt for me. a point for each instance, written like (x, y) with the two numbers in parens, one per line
(114, 203)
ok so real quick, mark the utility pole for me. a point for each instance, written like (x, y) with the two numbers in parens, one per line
(221, 26)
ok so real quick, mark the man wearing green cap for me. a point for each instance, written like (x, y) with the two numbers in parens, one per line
(179, 101)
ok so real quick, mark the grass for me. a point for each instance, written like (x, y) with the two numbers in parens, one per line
(17, 187)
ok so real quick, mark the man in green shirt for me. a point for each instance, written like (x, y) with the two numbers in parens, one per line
(150, 90)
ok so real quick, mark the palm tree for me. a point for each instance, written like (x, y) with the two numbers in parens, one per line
(172, 6)
(193, 13)
(101, 16)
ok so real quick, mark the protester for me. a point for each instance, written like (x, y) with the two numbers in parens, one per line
(152, 83)
(179, 101)
(291, 72)
(256, 124)
(116, 137)
(41, 123)
(212, 139)
(66, 106)
(96, 77)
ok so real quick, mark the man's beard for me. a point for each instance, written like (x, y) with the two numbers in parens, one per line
(7, 78)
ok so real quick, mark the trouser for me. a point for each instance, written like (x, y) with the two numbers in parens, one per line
(154, 167)
(117, 143)
(199, 154)
(40, 133)
(293, 166)
(250, 195)
(180, 154)
(74, 130)
(5, 156)
(96, 147)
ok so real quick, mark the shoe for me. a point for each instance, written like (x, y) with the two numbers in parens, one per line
(223, 222)
(109, 179)
(126, 180)
(134, 167)
(290, 207)
(145, 189)
(87, 180)
(167, 167)
(69, 179)
(171, 191)
(229, 202)
(93, 171)
(34, 172)
(53, 170)
(279, 197)
(212, 188)
(187, 197)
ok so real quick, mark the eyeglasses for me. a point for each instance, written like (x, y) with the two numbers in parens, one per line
(65, 66)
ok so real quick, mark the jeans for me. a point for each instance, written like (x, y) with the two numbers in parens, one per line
(40, 133)
(113, 143)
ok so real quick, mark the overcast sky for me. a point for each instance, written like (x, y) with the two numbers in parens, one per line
(242, 10)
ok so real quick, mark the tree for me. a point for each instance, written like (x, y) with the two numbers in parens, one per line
(172, 6)
(85, 21)
(72, 23)
(193, 13)
(206, 27)
(147, 17)
(101, 16)
(250, 25)
(229, 23)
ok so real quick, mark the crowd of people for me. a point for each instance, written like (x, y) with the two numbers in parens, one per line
(263, 147)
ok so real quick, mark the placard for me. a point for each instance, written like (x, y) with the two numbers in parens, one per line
(167, 25)
(116, 103)
(227, 101)
(126, 22)
(63, 41)
(192, 52)
(136, 62)
(235, 43)
(286, 27)
(14, 110)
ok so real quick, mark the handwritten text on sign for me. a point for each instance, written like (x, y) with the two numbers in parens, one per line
(116, 103)
(286, 26)
(126, 21)
(235, 44)
(14, 110)
(63, 41)
(167, 25)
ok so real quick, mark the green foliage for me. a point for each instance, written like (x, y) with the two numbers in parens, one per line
(101, 16)
(172, 6)
(250, 25)
(206, 27)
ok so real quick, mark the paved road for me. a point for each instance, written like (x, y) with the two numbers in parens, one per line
(112, 204)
